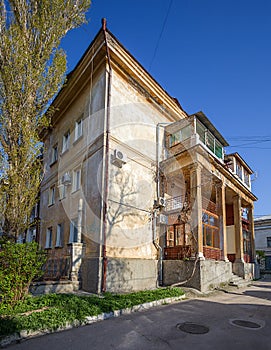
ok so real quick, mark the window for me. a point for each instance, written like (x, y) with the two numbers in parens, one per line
(210, 230)
(239, 170)
(78, 129)
(176, 235)
(34, 213)
(76, 180)
(54, 155)
(31, 235)
(62, 192)
(59, 235)
(66, 142)
(51, 199)
(73, 231)
(49, 236)
(268, 239)
(180, 135)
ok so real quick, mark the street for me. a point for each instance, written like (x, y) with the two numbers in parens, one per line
(236, 319)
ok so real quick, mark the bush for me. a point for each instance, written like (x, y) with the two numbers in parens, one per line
(19, 265)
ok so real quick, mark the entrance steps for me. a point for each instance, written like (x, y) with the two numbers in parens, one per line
(238, 282)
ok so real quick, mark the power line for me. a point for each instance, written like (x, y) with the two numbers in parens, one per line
(161, 33)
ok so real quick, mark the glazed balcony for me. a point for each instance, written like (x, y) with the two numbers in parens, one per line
(195, 130)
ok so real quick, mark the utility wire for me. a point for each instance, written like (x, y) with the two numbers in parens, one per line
(161, 33)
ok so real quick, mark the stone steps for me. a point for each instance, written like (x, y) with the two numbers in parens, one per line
(239, 282)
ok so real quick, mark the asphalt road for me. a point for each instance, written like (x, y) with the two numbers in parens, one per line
(159, 328)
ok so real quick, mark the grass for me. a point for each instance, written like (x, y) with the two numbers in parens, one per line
(53, 311)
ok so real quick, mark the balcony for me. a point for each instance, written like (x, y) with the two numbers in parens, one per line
(195, 130)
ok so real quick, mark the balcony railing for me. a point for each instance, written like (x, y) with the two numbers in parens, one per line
(174, 203)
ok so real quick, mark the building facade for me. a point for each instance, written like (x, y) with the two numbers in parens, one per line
(135, 189)
(263, 240)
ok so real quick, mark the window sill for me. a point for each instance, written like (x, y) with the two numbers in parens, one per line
(74, 191)
(78, 139)
(64, 152)
(53, 163)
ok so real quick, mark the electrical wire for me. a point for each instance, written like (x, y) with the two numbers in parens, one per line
(161, 33)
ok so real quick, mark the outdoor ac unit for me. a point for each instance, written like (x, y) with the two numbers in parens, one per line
(161, 202)
(66, 179)
(119, 158)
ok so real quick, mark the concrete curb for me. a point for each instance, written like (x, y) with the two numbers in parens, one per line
(24, 335)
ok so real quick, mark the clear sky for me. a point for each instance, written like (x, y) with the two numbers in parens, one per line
(213, 55)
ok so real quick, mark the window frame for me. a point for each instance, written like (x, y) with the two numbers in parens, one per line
(268, 242)
(209, 228)
(54, 154)
(76, 179)
(52, 196)
(66, 141)
(49, 238)
(73, 237)
(59, 235)
(62, 191)
(78, 130)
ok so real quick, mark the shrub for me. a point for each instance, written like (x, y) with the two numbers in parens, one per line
(19, 265)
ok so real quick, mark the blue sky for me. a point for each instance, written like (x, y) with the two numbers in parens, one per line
(213, 55)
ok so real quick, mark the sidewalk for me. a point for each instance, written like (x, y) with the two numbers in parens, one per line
(234, 319)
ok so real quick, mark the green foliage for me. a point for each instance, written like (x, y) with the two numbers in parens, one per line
(260, 253)
(19, 265)
(32, 70)
(61, 309)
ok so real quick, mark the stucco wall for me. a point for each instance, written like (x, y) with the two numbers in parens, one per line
(208, 273)
(127, 275)
(231, 240)
(84, 153)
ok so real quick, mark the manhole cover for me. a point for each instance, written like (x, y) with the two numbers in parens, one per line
(246, 324)
(192, 328)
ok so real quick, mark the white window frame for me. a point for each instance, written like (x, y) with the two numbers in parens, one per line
(76, 179)
(62, 192)
(73, 231)
(59, 235)
(52, 195)
(78, 130)
(49, 238)
(31, 235)
(54, 154)
(66, 141)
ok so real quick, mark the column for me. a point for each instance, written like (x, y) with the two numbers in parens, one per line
(238, 229)
(252, 232)
(221, 203)
(196, 210)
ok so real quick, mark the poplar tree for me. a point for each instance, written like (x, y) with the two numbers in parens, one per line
(32, 71)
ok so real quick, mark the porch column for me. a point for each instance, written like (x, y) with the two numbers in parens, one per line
(251, 227)
(196, 210)
(221, 195)
(238, 229)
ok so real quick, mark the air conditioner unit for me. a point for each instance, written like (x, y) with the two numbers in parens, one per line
(119, 158)
(66, 179)
(161, 202)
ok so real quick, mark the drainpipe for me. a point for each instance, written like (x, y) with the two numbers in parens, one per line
(106, 170)
(158, 157)
(157, 246)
